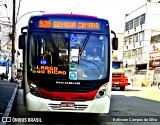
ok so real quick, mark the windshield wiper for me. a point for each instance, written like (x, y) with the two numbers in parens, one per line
(84, 44)
(53, 43)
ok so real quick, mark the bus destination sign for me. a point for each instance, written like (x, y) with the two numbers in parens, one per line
(57, 24)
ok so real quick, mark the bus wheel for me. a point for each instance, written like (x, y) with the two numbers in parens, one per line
(122, 88)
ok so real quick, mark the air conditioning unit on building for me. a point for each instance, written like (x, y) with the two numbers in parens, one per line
(140, 43)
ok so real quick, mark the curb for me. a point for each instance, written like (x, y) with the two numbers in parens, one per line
(9, 106)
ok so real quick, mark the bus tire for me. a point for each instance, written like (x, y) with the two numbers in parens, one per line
(122, 88)
(24, 100)
(24, 97)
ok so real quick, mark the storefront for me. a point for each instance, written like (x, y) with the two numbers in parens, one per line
(154, 66)
(141, 68)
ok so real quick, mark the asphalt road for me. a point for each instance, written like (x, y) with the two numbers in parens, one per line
(128, 105)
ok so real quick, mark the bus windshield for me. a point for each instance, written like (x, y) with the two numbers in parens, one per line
(117, 65)
(67, 56)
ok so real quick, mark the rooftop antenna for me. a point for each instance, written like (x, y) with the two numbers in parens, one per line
(75, 7)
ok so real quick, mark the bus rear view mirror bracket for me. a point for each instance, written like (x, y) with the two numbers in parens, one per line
(21, 41)
(114, 41)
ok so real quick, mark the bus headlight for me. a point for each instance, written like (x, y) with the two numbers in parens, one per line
(34, 90)
(102, 91)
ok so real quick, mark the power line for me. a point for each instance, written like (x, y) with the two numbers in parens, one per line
(75, 7)
(6, 8)
(9, 8)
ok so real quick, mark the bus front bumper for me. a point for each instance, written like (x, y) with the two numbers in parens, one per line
(100, 105)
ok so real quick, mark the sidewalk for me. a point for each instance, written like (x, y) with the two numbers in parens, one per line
(151, 93)
(143, 88)
(8, 92)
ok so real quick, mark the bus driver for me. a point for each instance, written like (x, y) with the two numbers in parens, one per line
(94, 55)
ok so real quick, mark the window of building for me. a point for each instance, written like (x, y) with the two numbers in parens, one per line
(133, 52)
(136, 22)
(141, 36)
(127, 54)
(130, 40)
(127, 41)
(135, 37)
(129, 25)
(126, 27)
(142, 19)
(124, 55)
(139, 52)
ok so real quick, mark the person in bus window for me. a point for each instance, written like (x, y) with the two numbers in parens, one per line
(94, 55)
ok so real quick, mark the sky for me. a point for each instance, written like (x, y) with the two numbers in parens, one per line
(113, 10)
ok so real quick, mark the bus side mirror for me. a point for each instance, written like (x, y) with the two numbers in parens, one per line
(115, 43)
(21, 41)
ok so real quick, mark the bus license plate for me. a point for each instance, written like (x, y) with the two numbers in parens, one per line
(67, 104)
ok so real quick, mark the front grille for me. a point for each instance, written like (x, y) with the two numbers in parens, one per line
(78, 107)
(81, 107)
(116, 75)
(54, 106)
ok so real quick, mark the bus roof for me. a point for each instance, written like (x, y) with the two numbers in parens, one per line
(69, 22)
(70, 15)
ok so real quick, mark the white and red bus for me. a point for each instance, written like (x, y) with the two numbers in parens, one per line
(67, 63)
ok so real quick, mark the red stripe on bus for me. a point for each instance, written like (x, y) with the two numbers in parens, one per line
(72, 96)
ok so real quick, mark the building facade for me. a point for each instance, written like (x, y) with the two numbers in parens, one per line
(142, 29)
(5, 49)
(5, 41)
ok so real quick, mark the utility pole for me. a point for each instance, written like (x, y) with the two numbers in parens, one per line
(13, 42)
